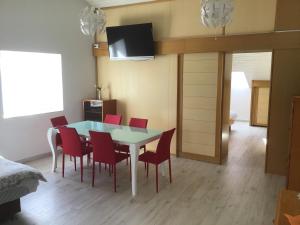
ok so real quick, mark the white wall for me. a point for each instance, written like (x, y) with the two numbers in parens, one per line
(256, 66)
(240, 103)
(50, 26)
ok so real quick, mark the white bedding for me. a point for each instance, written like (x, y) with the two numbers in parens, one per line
(25, 187)
(17, 180)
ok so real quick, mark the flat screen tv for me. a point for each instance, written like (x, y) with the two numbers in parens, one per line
(130, 42)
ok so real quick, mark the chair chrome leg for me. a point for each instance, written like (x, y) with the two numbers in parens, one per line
(81, 169)
(75, 162)
(156, 168)
(170, 171)
(115, 177)
(63, 165)
(93, 179)
(147, 165)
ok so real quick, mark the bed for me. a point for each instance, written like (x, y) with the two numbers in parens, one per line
(16, 181)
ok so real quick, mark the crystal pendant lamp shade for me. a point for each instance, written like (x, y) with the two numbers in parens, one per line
(92, 21)
(216, 13)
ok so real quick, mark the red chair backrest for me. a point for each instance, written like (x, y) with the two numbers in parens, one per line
(103, 148)
(113, 119)
(163, 147)
(138, 122)
(59, 121)
(71, 143)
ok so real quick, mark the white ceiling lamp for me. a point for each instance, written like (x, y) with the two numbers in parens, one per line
(92, 21)
(216, 13)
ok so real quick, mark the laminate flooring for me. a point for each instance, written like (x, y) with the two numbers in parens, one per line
(236, 193)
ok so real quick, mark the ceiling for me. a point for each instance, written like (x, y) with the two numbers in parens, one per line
(256, 66)
(111, 3)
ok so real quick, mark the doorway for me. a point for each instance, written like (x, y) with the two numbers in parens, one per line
(249, 105)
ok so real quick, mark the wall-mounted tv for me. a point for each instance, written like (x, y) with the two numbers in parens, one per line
(130, 42)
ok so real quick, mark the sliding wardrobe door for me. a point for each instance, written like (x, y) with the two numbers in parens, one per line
(199, 83)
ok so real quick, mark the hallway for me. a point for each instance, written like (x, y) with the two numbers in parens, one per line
(247, 146)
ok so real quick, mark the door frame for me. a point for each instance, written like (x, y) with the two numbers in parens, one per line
(222, 125)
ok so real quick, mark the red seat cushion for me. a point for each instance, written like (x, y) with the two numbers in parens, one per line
(59, 140)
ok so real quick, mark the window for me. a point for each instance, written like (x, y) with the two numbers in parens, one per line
(31, 83)
(239, 81)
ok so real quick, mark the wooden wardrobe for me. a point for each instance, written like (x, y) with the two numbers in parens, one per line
(260, 103)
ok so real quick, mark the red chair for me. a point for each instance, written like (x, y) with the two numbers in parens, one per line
(103, 152)
(162, 154)
(72, 145)
(59, 122)
(113, 119)
(138, 123)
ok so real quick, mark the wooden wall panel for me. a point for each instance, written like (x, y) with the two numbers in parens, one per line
(285, 84)
(207, 65)
(159, 14)
(287, 15)
(229, 43)
(226, 93)
(199, 91)
(171, 19)
(118, 6)
(199, 103)
(252, 17)
(200, 78)
(181, 18)
(143, 92)
(185, 20)
(199, 150)
(200, 75)
(263, 106)
(199, 126)
(174, 24)
(201, 138)
(294, 153)
(199, 114)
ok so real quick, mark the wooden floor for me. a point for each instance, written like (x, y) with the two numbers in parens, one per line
(237, 193)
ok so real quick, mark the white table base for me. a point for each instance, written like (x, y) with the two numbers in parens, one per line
(51, 136)
(134, 157)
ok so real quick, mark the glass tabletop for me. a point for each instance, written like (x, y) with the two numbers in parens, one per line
(123, 134)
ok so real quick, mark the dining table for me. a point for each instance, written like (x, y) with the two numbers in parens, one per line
(124, 135)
